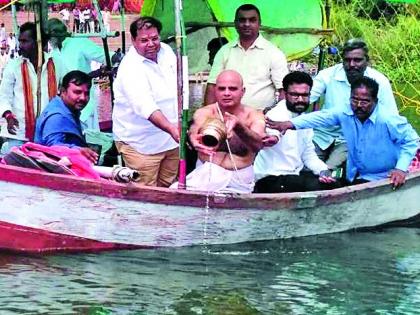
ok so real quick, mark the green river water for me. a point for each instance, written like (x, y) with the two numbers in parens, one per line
(349, 273)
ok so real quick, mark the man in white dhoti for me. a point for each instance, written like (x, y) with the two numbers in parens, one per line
(227, 165)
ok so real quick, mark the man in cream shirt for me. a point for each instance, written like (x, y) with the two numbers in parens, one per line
(278, 168)
(145, 112)
(261, 64)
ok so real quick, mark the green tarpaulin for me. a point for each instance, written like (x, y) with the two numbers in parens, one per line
(278, 14)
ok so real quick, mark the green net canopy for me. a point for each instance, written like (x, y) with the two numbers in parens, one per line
(279, 15)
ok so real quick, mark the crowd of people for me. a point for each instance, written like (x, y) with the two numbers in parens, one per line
(267, 141)
(8, 45)
(85, 18)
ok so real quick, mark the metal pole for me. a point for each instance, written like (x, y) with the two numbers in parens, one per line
(106, 49)
(14, 20)
(44, 15)
(123, 46)
(182, 82)
(38, 22)
(15, 28)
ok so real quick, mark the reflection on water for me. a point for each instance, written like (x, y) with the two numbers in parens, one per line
(348, 273)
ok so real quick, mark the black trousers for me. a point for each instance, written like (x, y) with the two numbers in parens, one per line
(305, 181)
(358, 181)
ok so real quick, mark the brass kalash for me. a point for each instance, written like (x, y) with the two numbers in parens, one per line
(214, 132)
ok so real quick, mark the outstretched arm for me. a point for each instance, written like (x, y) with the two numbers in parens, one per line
(281, 126)
(323, 118)
(159, 120)
(251, 135)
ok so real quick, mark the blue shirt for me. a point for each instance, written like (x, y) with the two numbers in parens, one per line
(58, 125)
(383, 142)
(333, 84)
(77, 54)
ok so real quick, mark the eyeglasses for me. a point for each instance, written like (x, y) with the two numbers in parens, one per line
(357, 102)
(297, 95)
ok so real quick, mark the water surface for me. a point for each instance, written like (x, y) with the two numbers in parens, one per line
(348, 273)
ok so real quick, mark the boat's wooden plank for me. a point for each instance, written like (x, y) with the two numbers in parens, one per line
(196, 199)
(140, 223)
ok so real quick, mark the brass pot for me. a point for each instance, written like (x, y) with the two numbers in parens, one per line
(214, 132)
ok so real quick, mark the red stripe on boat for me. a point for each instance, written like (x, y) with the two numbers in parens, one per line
(18, 238)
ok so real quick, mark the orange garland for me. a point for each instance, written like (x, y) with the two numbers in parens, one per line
(29, 102)
(28, 96)
(52, 83)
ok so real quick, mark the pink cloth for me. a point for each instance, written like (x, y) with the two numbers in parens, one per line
(81, 166)
(116, 6)
(415, 164)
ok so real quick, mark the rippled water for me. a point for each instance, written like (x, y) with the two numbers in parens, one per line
(348, 273)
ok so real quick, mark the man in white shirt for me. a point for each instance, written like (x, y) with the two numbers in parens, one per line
(4, 58)
(65, 16)
(11, 43)
(18, 88)
(82, 21)
(3, 34)
(106, 17)
(145, 114)
(278, 167)
(261, 64)
(87, 16)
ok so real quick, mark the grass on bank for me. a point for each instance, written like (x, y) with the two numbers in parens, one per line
(393, 40)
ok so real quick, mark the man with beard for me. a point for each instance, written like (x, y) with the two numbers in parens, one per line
(18, 88)
(380, 144)
(279, 166)
(59, 123)
(334, 84)
(261, 64)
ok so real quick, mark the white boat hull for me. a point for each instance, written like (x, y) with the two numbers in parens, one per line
(125, 222)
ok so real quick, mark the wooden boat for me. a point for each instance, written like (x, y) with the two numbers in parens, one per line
(43, 212)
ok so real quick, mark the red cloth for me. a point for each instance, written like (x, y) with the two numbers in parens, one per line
(29, 102)
(28, 96)
(52, 82)
(81, 166)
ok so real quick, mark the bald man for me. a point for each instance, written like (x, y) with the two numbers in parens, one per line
(219, 170)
